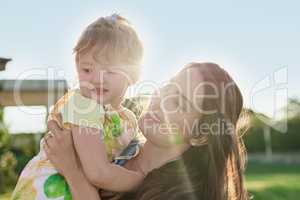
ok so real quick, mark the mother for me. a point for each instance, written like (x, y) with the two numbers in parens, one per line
(192, 151)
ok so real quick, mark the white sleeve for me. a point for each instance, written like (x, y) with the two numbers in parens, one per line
(82, 111)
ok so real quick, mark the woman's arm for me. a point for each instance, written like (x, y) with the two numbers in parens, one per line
(80, 187)
(96, 166)
(60, 151)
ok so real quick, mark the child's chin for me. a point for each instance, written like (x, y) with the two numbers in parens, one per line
(101, 100)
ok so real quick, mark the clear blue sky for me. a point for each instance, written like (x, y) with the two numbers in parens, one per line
(250, 39)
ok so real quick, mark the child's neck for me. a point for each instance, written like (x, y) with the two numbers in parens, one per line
(116, 105)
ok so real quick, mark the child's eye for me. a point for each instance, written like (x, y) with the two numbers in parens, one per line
(86, 70)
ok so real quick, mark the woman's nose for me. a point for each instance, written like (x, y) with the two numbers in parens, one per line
(154, 104)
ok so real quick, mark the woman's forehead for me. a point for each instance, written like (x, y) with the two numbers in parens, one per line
(188, 83)
(188, 79)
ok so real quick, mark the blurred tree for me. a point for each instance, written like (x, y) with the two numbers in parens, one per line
(7, 158)
(254, 134)
(293, 108)
(280, 142)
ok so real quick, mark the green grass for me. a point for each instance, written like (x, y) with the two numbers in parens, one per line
(273, 181)
(5, 196)
(265, 182)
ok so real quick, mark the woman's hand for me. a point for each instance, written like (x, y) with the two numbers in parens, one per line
(60, 150)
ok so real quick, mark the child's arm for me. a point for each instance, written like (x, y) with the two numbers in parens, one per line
(96, 166)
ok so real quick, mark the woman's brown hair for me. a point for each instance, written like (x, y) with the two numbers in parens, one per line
(212, 170)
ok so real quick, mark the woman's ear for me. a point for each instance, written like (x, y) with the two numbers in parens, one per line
(212, 125)
(198, 136)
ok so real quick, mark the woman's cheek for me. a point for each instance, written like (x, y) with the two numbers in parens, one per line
(148, 126)
(188, 125)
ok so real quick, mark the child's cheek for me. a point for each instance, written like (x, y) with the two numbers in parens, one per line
(122, 83)
(84, 78)
(122, 78)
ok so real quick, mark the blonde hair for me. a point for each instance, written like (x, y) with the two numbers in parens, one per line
(117, 44)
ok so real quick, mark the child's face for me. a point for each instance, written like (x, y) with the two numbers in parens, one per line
(104, 83)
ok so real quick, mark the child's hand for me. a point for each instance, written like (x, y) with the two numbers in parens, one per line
(60, 150)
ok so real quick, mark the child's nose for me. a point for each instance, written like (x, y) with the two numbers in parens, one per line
(99, 77)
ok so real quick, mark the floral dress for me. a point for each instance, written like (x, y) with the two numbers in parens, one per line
(40, 181)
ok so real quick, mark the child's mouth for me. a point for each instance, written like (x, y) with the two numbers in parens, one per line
(100, 91)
